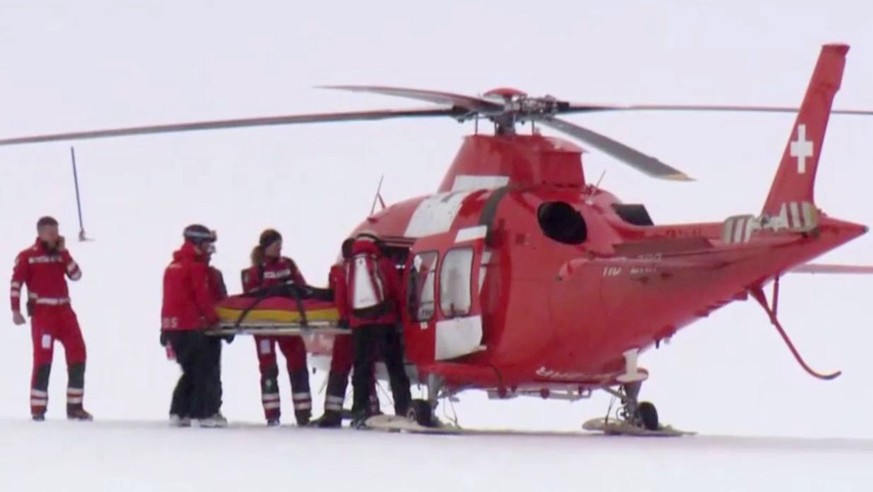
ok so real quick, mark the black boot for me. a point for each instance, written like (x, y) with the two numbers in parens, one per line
(76, 393)
(330, 419)
(359, 419)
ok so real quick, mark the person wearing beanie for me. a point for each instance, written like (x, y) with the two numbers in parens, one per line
(188, 309)
(269, 268)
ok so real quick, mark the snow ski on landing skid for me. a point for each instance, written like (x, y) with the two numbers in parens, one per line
(613, 427)
(391, 423)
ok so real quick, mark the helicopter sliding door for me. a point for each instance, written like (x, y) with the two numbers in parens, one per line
(443, 319)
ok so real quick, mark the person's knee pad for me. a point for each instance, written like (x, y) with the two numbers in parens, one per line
(269, 377)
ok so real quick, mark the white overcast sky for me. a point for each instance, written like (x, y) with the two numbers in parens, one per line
(67, 66)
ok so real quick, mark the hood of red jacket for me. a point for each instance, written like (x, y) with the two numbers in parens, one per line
(187, 251)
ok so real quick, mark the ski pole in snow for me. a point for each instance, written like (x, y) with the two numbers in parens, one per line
(78, 201)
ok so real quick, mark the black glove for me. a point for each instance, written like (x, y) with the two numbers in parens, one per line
(228, 338)
(163, 339)
(343, 323)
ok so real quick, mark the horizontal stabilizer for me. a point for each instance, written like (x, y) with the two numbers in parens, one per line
(662, 246)
(641, 257)
(830, 268)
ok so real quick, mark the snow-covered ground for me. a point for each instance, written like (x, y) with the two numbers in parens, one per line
(148, 456)
(96, 64)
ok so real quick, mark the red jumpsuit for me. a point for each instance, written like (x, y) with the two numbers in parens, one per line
(52, 319)
(274, 271)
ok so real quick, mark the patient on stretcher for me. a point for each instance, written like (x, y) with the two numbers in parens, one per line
(286, 303)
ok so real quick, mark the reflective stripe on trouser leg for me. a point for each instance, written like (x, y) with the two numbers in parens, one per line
(301, 395)
(271, 401)
(38, 401)
(270, 392)
(39, 389)
(302, 401)
(333, 403)
(337, 382)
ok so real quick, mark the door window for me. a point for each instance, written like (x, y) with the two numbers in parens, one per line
(420, 291)
(455, 278)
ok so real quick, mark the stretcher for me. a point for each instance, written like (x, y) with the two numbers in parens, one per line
(282, 310)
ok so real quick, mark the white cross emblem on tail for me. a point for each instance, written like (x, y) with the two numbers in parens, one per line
(801, 148)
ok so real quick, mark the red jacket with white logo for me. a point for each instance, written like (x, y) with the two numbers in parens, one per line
(188, 295)
(273, 271)
(370, 278)
(43, 272)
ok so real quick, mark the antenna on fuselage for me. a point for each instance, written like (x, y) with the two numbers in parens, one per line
(378, 196)
(595, 188)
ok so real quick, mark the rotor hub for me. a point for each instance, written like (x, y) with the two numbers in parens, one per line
(518, 107)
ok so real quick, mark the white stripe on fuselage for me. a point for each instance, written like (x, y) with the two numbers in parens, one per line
(471, 233)
(435, 214)
(467, 182)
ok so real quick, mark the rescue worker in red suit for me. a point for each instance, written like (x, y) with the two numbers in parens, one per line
(270, 268)
(42, 268)
(181, 396)
(188, 309)
(342, 355)
(374, 303)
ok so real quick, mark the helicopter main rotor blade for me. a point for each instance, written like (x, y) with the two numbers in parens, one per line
(472, 103)
(588, 108)
(642, 162)
(236, 123)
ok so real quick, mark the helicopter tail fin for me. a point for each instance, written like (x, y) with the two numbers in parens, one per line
(793, 186)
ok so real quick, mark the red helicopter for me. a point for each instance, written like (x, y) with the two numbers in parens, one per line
(524, 278)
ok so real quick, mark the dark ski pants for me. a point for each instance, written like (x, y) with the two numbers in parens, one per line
(198, 392)
(371, 341)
